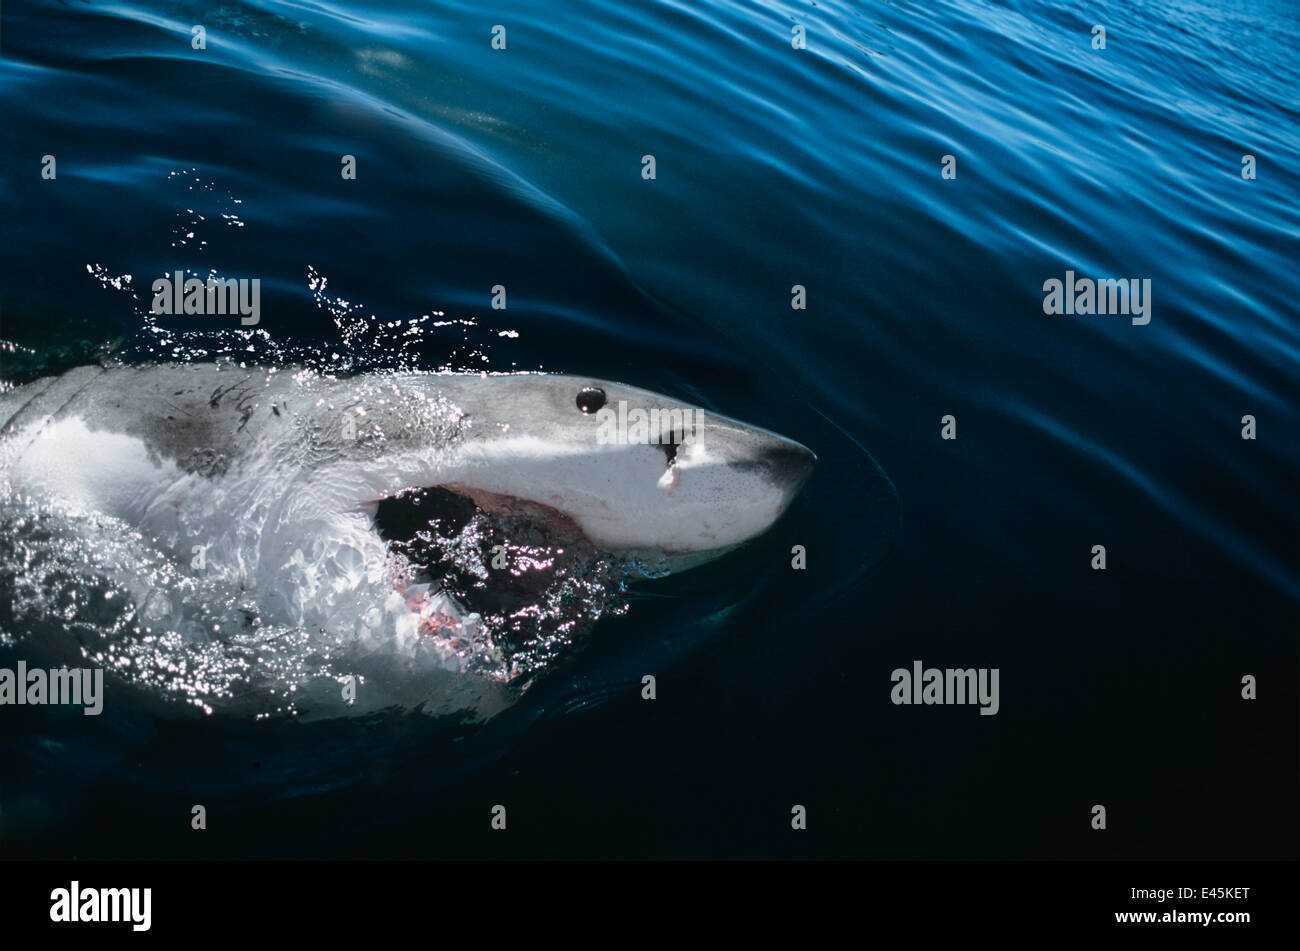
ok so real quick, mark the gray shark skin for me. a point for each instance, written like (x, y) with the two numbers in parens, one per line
(267, 480)
(84, 436)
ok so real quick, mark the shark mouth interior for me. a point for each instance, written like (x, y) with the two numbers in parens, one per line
(504, 583)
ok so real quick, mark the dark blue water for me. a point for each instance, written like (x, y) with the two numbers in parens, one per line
(775, 167)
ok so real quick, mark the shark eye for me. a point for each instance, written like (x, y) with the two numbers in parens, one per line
(590, 399)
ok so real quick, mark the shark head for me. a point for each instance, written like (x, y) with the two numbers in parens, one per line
(224, 501)
(634, 471)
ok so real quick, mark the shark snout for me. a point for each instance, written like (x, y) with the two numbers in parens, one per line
(790, 464)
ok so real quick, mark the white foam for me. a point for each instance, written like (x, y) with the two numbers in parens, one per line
(88, 470)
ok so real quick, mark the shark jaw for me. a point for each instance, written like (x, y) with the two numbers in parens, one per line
(632, 508)
(522, 540)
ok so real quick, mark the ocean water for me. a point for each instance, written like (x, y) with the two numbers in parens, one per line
(774, 166)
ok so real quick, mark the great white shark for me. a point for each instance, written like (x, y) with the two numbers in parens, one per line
(270, 479)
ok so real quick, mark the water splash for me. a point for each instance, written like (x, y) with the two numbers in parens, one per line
(83, 588)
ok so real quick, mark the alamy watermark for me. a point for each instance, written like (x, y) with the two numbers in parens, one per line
(638, 426)
(76, 904)
(951, 685)
(218, 295)
(1086, 296)
(76, 686)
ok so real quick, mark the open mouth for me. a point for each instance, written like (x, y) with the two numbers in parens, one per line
(420, 523)
(503, 583)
